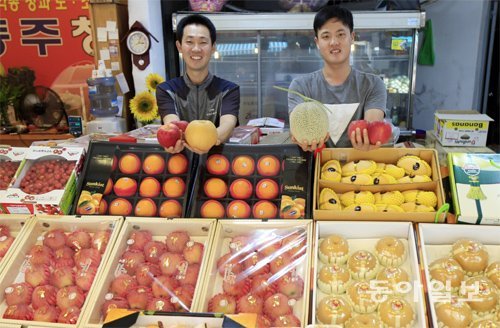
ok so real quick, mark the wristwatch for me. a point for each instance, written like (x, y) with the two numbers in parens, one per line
(139, 44)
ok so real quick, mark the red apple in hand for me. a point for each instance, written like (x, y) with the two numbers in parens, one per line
(361, 124)
(181, 125)
(168, 135)
(379, 131)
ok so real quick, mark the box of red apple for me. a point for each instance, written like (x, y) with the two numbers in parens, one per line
(156, 265)
(11, 230)
(10, 158)
(260, 267)
(49, 279)
(45, 182)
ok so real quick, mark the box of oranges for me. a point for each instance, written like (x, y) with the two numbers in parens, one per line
(134, 180)
(253, 181)
(45, 181)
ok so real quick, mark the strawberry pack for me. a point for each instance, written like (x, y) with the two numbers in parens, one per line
(45, 182)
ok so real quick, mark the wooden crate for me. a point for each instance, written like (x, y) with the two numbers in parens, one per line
(364, 235)
(382, 155)
(17, 224)
(227, 229)
(201, 230)
(14, 269)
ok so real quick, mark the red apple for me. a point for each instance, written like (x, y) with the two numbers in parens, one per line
(361, 124)
(168, 135)
(379, 131)
(181, 124)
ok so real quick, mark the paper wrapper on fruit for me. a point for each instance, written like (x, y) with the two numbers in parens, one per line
(339, 117)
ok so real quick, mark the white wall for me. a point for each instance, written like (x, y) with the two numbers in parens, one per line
(455, 81)
(148, 12)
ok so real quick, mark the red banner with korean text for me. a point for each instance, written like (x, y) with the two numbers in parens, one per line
(53, 38)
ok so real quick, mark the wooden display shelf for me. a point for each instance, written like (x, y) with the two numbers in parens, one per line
(25, 140)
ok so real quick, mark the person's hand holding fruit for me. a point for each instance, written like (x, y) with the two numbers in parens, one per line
(366, 135)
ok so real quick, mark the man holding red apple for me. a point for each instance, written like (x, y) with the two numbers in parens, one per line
(349, 94)
(198, 95)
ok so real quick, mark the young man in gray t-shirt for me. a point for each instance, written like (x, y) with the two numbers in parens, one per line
(337, 82)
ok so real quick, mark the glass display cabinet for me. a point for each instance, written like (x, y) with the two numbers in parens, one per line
(259, 51)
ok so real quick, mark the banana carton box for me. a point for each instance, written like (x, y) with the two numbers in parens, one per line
(386, 184)
(475, 187)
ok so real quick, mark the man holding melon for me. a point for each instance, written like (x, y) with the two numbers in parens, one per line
(328, 99)
(210, 104)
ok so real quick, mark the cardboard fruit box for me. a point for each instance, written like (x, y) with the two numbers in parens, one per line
(134, 180)
(253, 181)
(364, 236)
(436, 242)
(10, 159)
(381, 155)
(255, 263)
(35, 263)
(461, 128)
(120, 265)
(45, 182)
(12, 227)
(475, 187)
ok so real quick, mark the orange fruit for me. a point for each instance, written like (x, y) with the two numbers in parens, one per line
(243, 165)
(153, 164)
(268, 166)
(177, 164)
(129, 164)
(149, 187)
(86, 207)
(241, 189)
(238, 209)
(125, 187)
(290, 212)
(174, 187)
(212, 209)
(103, 207)
(267, 189)
(215, 188)
(264, 209)
(120, 206)
(217, 164)
(109, 187)
(170, 209)
(145, 207)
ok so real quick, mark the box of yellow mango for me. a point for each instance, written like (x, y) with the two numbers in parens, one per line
(386, 184)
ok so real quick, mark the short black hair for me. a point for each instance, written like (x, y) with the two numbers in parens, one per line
(196, 19)
(326, 13)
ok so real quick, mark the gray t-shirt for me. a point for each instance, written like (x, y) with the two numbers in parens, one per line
(366, 89)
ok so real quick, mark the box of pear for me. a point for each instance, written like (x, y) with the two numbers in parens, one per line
(386, 184)
(253, 181)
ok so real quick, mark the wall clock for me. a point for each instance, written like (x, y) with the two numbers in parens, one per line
(138, 40)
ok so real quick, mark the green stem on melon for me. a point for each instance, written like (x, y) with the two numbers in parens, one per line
(306, 99)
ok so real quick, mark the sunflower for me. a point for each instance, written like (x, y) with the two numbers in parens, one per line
(143, 107)
(152, 81)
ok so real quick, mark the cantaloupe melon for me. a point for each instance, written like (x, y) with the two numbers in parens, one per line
(308, 122)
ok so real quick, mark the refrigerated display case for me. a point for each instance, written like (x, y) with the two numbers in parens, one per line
(259, 51)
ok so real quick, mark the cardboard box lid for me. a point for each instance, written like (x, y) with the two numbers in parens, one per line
(462, 115)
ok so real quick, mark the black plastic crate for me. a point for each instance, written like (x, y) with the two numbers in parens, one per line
(293, 180)
(103, 164)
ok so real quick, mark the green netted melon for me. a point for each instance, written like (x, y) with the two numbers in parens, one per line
(308, 122)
